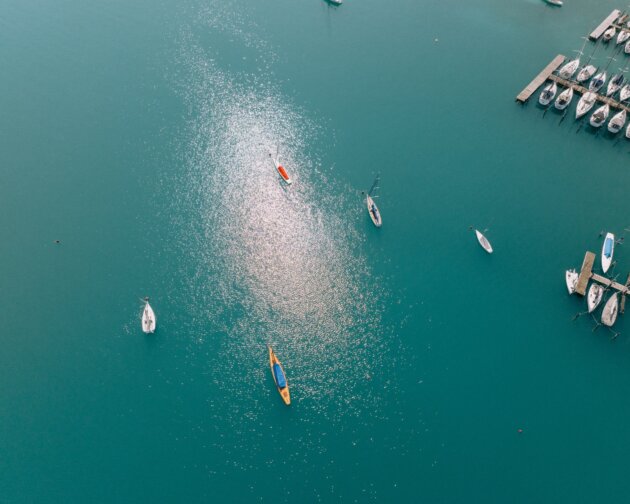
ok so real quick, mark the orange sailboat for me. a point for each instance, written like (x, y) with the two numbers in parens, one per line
(279, 377)
(281, 170)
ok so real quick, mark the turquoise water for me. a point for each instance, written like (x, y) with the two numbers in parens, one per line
(137, 134)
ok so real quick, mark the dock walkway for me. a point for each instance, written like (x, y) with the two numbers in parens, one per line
(531, 88)
(603, 26)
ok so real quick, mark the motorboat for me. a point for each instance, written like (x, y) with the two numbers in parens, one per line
(567, 71)
(585, 104)
(609, 34)
(557, 3)
(483, 241)
(280, 379)
(335, 2)
(599, 116)
(148, 317)
(571, 277)
(598, 81)
(614, 84)
(281, 170)
(548, 94)
(594, 296)
(586, 73)
(617, 122)
(623, 36)
(564, 99)
(610, 311)
(608, 249)
(374, 212)
(624, 92)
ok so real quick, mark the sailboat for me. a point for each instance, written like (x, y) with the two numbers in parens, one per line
(586, 73)
(623, 36)
(548, 94)
(598, 81)
(608, 249)
(571, 278)
(609, 34)
(617, 122)
(594, 297)
(626, 48)
(610, 311)
(614, 84)
(148, 317)
(483, 241)
(599, 116)
(373, 210)
(281, 170)
(567, 71)
(564, 99)
(624, 93)
(585, 104)
(628, 132)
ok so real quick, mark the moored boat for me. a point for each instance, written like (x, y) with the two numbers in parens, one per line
(617, 122)
(609, 34)
(548, 93)
(610, 311)
(598, 81)
(586, 73)
(585, 104)
(608, 250)
(594, 297)
(624, 92)
(571, 278)
(599, 116)
(567, 71)
(483, 241)
(614, 84)
(279, 378)
(148, 318)
(623, 36)
(628, 132)
(564, 99)
(281, 170)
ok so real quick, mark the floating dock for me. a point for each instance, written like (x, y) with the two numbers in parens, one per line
(586, 274)
(604, 25)
(581, 89)
(539, 80)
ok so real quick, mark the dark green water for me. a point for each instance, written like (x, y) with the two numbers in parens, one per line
(137, 134)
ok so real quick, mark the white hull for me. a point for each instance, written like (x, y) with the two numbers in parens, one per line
(595, 295)
(609, 313)
(598, 82)
(585, 104)
(608, 250)
(586, 73)
(483, 241)
(548, 94)
(623, 36)
(628, 132)
(624, 94)
(599, 116)
(626, 48)
(564, 99)
(617, 122)
(148, 319)
(567, 71)
(374, 212)
(609, 34)
(571, 278)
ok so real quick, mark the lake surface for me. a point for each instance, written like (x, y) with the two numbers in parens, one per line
(421, 369)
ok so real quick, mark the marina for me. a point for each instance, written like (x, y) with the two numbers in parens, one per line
(603, 26)
(586, 274)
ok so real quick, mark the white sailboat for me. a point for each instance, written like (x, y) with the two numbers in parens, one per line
(594, 297)
(598, 81)
(628, 132)
(148, 318)
(483, 241)
(614, 84)
(599, 116)
(373, 210)
(564, 99)
(623, 36)
(626, 48)
(609, 34)
(585, 104)
(548, 94)
(586, 73)
(610, 311)
(571, 278)
(624, 93)
(608, 250)
(567, 71)
(617, 122)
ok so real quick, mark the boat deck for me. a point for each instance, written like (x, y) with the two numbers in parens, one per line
(603, 26)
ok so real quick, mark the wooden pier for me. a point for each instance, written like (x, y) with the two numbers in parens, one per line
(581, 89)
(586, 274)
(531, 88)
(603, 26)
